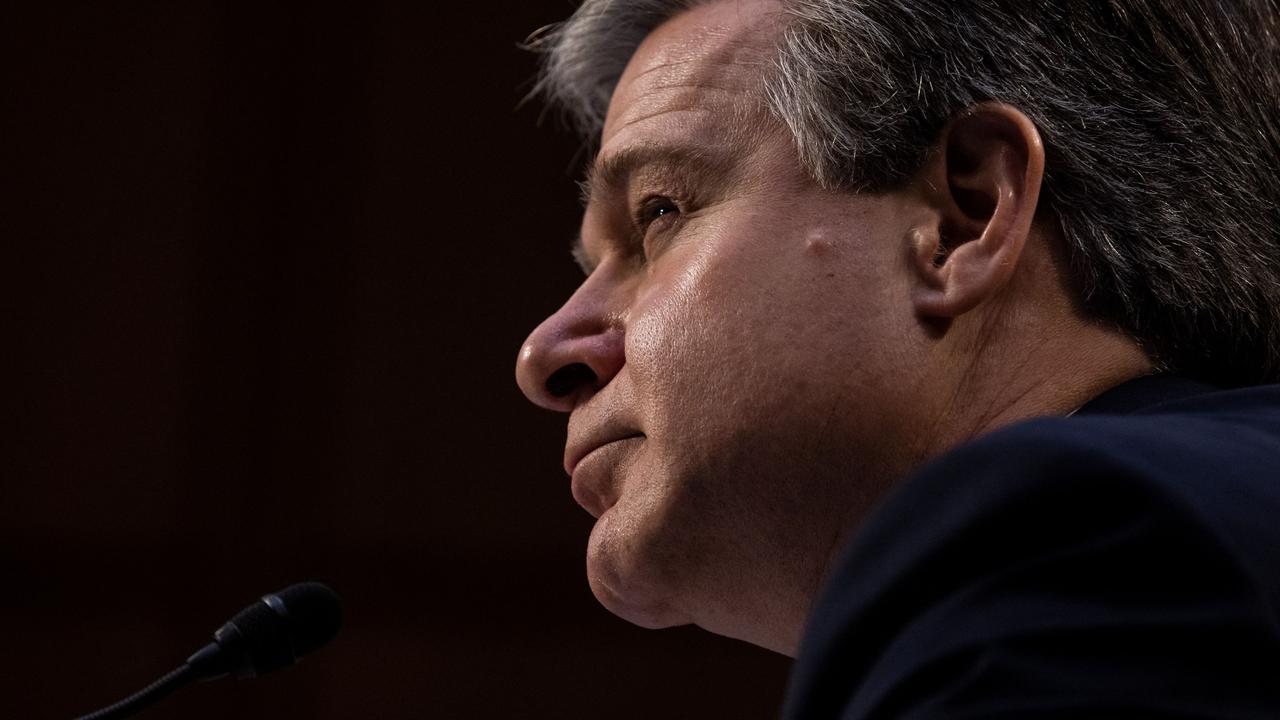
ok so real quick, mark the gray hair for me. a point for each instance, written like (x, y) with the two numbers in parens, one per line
(1160, 119)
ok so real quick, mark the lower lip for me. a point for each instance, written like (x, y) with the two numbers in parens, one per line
(592, 471)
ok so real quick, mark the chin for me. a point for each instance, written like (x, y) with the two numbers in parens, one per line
(626, 577)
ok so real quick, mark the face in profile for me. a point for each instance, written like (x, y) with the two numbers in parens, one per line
(728, 364)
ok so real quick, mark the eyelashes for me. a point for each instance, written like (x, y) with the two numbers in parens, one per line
(652, 217)
(653, 209)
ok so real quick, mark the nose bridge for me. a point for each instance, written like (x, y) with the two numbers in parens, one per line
(577, 350)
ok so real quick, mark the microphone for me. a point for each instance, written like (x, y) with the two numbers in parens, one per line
(276, 631)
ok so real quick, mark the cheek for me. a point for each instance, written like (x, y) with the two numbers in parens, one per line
(727, 321)
(667, 332)
(712, 358)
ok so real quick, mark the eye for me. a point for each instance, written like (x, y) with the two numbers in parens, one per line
(654, 212)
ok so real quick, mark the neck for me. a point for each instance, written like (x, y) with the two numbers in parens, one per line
(1050, 377)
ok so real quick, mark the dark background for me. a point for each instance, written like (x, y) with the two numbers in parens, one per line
(266, 270)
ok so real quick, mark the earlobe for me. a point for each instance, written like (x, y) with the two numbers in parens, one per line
(983, 183)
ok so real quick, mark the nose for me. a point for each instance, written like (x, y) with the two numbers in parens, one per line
(573, 353)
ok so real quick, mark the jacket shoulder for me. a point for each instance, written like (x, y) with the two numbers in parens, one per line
(1003, 553)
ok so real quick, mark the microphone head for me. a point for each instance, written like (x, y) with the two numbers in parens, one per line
(278, 630)
(314, 611)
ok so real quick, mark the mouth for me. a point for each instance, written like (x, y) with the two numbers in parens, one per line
(591, 478)
(575, 456)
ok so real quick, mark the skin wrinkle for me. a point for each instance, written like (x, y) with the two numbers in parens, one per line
(690, 108)
(659, 67)
(693, 103)
(701, 87)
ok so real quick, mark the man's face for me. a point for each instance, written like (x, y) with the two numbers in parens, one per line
(745, 333)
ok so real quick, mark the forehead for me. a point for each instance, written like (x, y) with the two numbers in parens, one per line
(702, 67)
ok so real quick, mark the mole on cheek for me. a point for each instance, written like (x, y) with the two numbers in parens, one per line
(819, 243)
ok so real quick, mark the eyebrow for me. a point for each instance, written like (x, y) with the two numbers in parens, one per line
(613, 172)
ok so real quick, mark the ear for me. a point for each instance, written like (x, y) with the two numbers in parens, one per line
(983, 182)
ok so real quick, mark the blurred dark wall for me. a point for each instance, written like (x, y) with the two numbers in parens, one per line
(266, 270)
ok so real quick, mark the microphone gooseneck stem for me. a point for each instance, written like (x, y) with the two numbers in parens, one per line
(265, 636)
(154, 692)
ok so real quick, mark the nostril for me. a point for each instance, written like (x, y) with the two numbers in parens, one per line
(568, 378)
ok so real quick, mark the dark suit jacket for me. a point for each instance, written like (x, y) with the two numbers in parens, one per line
(1120, 563)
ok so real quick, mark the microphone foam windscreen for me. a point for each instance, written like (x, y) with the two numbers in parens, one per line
(314, 613)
